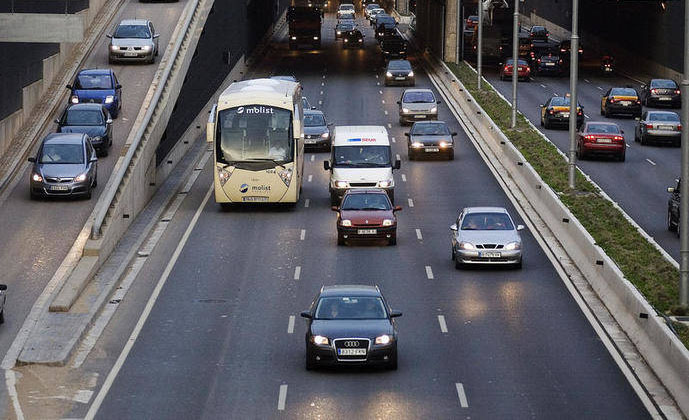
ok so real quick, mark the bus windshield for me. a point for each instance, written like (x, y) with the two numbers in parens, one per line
(254, 133)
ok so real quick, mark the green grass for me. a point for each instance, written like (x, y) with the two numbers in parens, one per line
(641, 263)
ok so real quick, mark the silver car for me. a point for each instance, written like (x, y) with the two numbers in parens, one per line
(486, 235)
(316, 130)
(659, 126)
(416, 105)
(133, 40)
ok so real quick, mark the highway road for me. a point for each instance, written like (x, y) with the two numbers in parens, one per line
(638, 185)
(224, 338)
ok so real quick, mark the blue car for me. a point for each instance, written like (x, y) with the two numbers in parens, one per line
(97, 86)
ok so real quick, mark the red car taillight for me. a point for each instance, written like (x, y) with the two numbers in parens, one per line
(677, 91)
(679, 127)
(612, 100)
(589, 137)
(618, 138)
(649, 125)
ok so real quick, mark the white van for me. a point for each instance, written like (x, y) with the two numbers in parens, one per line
(361, 157)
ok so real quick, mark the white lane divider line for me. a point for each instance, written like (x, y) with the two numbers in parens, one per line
(429, 272)
(322, 83)
(393, 140)
(383, 100)
(586, 115)
(313, 157)
(443, 324)
(380, 91)
(321, 92)
(587, 81)
(398, 156)
(377, 83)
(600, 88)
(297, 272)
(404, 178)
(302, 236)
(386, 112)
(410, 202)
(377, 77)
(651, 162)
(389, 125)
(555, 93)
(282, 397)
(290, 325)
(324, 76)
(418, 235)
(310, 178)
(320, 102)
(306, 202)
(543, 86)
(460, 393)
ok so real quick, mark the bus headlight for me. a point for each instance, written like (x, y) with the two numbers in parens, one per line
(286, 176)
(224, 174)
(385, 184)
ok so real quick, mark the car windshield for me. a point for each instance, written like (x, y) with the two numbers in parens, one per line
(418, 97)
(254, 133)
(399, 65)
(603, 128)
(361, 156)
(429, 129)
(81, 117)
(663, 116)
(377, 11)
(359, 201)
(664, 84)
(623, 92)
(62, 153)
(347, 17)
(132, 31)
(93, 81)
(350, 307)
(313, 120)
(487, 221)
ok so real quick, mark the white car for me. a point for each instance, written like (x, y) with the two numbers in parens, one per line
(345, 9)
(368, 8)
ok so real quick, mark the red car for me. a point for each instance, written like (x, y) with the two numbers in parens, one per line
(523, 70)
(601, 138)
(366, 214)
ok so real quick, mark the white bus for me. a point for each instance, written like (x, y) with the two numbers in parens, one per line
(258, 141)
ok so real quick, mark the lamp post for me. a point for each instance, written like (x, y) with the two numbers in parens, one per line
(515, 61)
(684, 185)
(573, 76)
(460, 18)
(480, 42)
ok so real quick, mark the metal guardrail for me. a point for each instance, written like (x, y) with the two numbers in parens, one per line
(106, 199)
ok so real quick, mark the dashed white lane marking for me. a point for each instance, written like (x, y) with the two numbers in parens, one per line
(380, 91)
(322, 83)
(586, 80)
(587, 116)
(290, 325)
(282, 397)
(320, 102)
(418, 235)
(389, 125)
(443, 324)
(398, 156)
(410, 202)
(462, 396)
(321, 92)
(543, 86)
(310, 178)
(599, 88)
(302, 235)
(383, 101)
(429, 272)
(297, 272)
(324, 76)
(376, 76)
(306, 202)
(386, 112)
(628, 146)
(651, 162)
(377, 83)
(393, 140)
(556, 94)
(404, 178)
(313, 157)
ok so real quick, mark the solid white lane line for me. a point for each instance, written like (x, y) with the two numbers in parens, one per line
(462, 396)
(93, 410)
(310, 178)
(418, 235)
(543, 86)
(313, 157)
(443, 324)
(306, 202)
(290, 325)
(429, 272)
(651, 162)
(297, 272)
(600, 88)
(282, 397)
(404, 178)
(302, 236)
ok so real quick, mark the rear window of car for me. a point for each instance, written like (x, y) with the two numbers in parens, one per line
(62, 153)
(664, 84)
(663, 116)
(603, 128)
(487, 221)
(520, 62)
(372, 6)
(350, 307)
(429, 129)
(345, 26)
(560, 101)
(313, 120)
(399, 65)
(418, 97)
(93, 81)
(623, 92)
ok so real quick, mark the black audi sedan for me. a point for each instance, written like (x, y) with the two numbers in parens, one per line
(350, 325)
(90, 119)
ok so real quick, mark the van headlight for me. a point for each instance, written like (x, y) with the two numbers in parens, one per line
(466, 245)
(434, 110)
(109, 99)
(341, 184)
(513, 245)
(385, 184)
(387, 222)
(286, 176)
(405, 110)
(224, 173)
(346, 222)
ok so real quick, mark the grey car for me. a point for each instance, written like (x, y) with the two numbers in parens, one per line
(659, 126)
(91, 119)
(316, 130)
(65, 165)
(133, 40)
(486, 235)
(430, 138)
(417, 104)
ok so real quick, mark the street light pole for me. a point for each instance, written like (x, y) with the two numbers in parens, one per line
(459, 28)
(480, 42)
(515, 61)
(684, 185)
(573, 76)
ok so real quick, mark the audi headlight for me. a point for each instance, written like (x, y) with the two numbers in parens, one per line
(383, 339)
(109, 99)
(339, 32)
(146, 48)
(387, 222)
(417, 144)
(388, 74)
(411, 74)
(385, 184)
(405, 110)
(80, 177)
(320, 340)
(513, 245)
(286, 175)
(325, 135)
(466, 245)
(340, 184)
(74, 99)
(224, 173)
(434, 110)
(346, 222)
(37, 177)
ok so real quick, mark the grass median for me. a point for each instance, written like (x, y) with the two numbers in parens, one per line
(641, 263)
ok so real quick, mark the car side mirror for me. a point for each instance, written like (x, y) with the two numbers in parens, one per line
(326, 165)
(68, 87)
(395, 314)
(397, 208)
(330, 124)
(622, 131)
(406, 134)
(156, 36)
(437, 102)
(335, 208)
(118, 86)
(454, 133)
(399, 102)
(108, 35)
(637, 118)
(306, 314)
(398, 164)
(453, 227)
(3, 287)
(671, 189)
(32, 159)
(57, 121)
(93, 159)
(108, 121)
(520, 227)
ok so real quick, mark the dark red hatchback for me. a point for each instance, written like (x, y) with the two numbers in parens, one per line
(366, 214)
(601, 138)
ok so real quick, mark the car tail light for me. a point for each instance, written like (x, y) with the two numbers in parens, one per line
(612, 100)
(560, 61)
(551, 112)
(528, 70)
(562, 50)
(649, 125)
(679, 127)
(638, 102)
(506, 68)
(579, 112)
(677, 91)
(539, 60)
(618, 138)
(589, 137)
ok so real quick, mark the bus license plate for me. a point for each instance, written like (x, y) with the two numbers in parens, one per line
(254, 199)
(432, 149)
(351, 352)
(490, 254)
(604, 140)
(59, 187)
(366, 231)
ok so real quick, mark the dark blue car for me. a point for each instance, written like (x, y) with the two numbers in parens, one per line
(97, 86)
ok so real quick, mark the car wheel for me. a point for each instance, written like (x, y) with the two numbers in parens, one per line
(642, 140)
(393, 363)
(547, 124)
(2, 316)
(88, 194)
(542, 123)
(607, 114)
(452, 253)
(392, 241)
(580, 154)
(451, 155)
(458, 264)
(95, 180)
(519, 265)
(677, 231)
(410, 154)
(334, 200)
(340, 240)
(671, 227)
(310, 363)
(636, 137)
(622, 157)
(601, 111)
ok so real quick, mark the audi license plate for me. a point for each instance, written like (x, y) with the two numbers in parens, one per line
(59, 188)
(366, 231)
(419, 116)
(549, 64)
(255, 199)
(351, 352)
(664, 98)
(130, 54)
(489, 254)
(604, 140)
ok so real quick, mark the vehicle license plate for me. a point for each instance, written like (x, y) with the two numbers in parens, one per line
(549, 64)
(664, 98)
(309, 141)
(666, 127)
(604, 140)
(59, 187)
(490, 254)
(255, 199)
(625, 103)
(565, 114)
(399, 78)
(130, 54)
(419, 116)
(351, 352)
(366, 231)
(432, 149)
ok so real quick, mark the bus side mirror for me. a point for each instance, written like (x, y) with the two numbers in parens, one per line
(210, 125)
(326, 165)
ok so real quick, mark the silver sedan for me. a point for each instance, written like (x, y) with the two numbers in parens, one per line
(486, 235)
(659, 126)
(417, 105)
(133, 40)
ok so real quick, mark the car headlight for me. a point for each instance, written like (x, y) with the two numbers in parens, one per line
(109, 99)
(294, 38)
(411, 74)
(315, 38)
(146, 48)
(387, 222)
(346, 40)
(346, 222)
(320, 340)
(405, 110)
(224, 173)
(339, 32)
(114, 48)
(325, 135)
(513, 245)
(286, 175)
(383, 339)
(340, 184)
(445, 144)
(417, 144)
(466, 245)
(74, 99)
(37, 177)
(388, 74)
(385, 184)
(80, 177)
(434, 110)
(361, 40)
(96, 138)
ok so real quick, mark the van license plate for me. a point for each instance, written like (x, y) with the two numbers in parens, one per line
(366, 231)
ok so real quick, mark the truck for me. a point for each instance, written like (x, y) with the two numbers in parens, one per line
(497, 29)
(304, 26)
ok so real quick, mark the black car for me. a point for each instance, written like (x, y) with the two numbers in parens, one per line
(556, 112)
(386, 29)
(353, 39)
(393, 47)
(620, 101)
(382, 16)
(399, 72)
(549, 64)
(386, 20)
(430, 138)
(661, 92)
(91, 119)
(539, 33)
(316, 130)
(342, 28)
(673, 208)
(350, 325)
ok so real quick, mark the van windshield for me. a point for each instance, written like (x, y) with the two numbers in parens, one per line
(361, 156)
